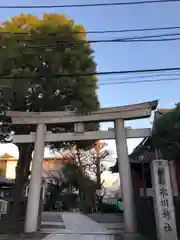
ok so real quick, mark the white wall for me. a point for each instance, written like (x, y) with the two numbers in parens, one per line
(11, 169)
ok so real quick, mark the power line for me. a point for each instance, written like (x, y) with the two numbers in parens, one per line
(83, 74)
(110, 83)
(66, 44)
(95, 31)
(155, 40)
(140, 81)
(136, 76)
(123, 38)
(114, 83)
(136, 39)
(127, 3)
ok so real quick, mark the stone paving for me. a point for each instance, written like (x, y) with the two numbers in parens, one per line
(110, 221)
(51, 222)
(77, 227)
(36, 236)
(114, 222)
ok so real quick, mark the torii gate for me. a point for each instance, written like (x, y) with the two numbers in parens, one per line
(120, 133)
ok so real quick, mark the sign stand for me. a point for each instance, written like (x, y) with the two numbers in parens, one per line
(163, 200)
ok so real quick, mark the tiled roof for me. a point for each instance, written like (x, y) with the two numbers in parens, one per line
(7, 156)
(163, 110)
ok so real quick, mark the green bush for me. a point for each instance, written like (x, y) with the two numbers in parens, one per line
(109, 208)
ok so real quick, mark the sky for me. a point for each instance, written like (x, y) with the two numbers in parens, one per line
(123, 56)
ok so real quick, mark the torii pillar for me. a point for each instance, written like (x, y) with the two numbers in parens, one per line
(35, 182)
(125, 176)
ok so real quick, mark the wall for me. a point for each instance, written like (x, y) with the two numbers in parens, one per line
(173, 166)
(11, 169)
(9, 165)
(136, 179)
(51, 164)
(177, 167)
(3, 165)
(147, 225)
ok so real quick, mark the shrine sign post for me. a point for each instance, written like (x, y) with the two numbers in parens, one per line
(163, 201)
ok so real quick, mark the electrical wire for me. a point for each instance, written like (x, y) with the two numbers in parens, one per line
(136, 76)
(140, 81)
(84, 74)
(126, 3)
(136, 39)
(31, 86)
(95, 31)
(109, 83)
(25, 48)
(115, 83)
(156, 40)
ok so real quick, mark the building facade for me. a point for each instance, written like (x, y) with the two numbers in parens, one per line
(8, 165)
(141, 158)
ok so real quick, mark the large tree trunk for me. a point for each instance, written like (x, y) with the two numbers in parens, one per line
(82, 191)
(22, 173)
(98, 171)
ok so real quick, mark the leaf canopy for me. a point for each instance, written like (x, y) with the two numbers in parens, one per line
(34, 53)
(167, 136)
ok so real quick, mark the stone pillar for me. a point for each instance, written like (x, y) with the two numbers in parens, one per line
(163, 200)
(125, 176)
(79, 127)
(35, 182)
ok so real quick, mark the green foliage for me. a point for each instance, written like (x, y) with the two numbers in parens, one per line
(109, 208)
(35, 56)
(1, 172)
(31, 65)
(77, 178)
(70, 172)
(167, 136)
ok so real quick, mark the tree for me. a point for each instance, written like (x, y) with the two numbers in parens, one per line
(167, 135)
(69, 178)
(36, 58)
(93, 161)
(90, 163)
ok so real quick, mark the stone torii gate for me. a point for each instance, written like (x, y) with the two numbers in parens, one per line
(116, 114)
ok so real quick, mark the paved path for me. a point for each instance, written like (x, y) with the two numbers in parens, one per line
(52, 222)
(110, 221)
(76, 226)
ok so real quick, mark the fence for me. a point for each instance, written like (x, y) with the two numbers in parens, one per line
(114, 202)
(3, 207)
